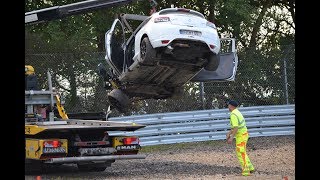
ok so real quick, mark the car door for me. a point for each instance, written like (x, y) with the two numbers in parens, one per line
(130, 42)
(115, 47)
(227, 68)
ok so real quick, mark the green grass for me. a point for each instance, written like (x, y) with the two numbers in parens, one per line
(187, 145)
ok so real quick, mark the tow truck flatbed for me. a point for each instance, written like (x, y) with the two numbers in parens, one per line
(75, 124)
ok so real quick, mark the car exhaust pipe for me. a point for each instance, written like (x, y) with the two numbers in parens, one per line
(181, 45)
(169, 49)
(94, 158)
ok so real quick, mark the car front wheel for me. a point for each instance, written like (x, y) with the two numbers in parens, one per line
(213, 62)
(119, 100)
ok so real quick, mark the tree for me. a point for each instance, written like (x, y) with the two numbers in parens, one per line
(261, 28)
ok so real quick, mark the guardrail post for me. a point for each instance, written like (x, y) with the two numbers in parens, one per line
(285, 80)
(202, 94)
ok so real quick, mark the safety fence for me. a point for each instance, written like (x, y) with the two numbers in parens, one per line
(204, 125)
(263, 78)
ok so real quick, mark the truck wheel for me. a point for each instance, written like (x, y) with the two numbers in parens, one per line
(147, 53)
(119, 100)
(213, 62)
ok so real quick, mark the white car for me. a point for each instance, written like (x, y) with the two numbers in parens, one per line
(166, 50)
(183, 34)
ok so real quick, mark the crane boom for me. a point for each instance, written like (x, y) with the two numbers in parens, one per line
(58, 12)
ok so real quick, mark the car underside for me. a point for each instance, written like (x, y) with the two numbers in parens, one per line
(162, 70)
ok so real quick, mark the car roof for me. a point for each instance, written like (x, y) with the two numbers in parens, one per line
(169, 10)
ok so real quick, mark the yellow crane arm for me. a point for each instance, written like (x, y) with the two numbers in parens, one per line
(61, 110)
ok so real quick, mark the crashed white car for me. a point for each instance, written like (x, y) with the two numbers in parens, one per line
(180, 34)
(166, 50)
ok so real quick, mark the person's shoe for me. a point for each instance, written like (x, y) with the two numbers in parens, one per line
(251, 168)
(246, 173)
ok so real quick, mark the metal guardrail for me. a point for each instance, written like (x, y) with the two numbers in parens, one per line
(205, 125)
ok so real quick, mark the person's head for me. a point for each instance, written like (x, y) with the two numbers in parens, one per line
(232, 104)
(29, 70)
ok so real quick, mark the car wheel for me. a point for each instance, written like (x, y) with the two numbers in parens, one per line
(213, 62)
(119, 100)
(147, 53)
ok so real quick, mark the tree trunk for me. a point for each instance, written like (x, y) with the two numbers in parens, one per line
(257, 25)
(212, 17)
(291, 9)
(100, 42)
(73, 86)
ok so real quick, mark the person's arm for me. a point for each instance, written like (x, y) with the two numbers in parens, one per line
(228, 134)
(234, 125)
(233, 132)
(234, 128)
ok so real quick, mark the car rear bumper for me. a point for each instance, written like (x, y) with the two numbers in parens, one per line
(157, 34)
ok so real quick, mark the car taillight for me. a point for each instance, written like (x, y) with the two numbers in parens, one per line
(212, 46)
(165, 41)
(161, 19)
(210, 24)
(130, 140)
(53, 144)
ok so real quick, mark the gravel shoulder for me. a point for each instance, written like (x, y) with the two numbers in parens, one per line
(273, 158)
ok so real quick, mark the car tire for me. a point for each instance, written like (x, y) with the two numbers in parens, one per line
(213, 62)
(147, 52)
(119, 100)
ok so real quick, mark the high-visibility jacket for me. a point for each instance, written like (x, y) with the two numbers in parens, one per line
(237, 120)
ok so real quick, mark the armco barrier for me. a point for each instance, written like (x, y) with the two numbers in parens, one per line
(204, 125)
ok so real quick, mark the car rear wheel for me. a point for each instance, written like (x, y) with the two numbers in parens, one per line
(213, 62)
(119, 100)
(147, 53)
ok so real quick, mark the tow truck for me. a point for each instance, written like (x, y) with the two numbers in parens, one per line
(51, 137)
